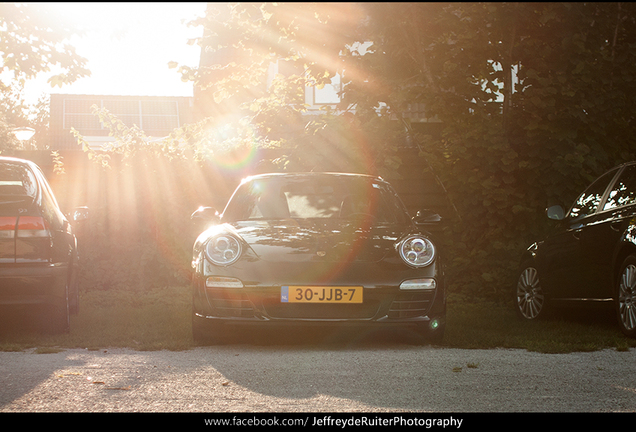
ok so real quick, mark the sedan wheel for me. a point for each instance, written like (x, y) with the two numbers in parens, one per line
(625, 307)
(529, 297)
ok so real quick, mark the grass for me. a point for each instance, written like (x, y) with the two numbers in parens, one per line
(160, 320)
(492, 325)
(144, 321)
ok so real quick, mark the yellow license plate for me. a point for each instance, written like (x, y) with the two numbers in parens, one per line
(321, 294)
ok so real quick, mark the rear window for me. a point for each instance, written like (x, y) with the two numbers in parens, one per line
(16, 180)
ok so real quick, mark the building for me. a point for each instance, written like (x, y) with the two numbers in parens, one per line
(156, 116)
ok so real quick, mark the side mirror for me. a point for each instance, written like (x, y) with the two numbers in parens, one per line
(204, 216)
(426, 217)
(80, 214)
(555, 212)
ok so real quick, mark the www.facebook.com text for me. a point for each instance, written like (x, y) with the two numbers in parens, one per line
(342, 422)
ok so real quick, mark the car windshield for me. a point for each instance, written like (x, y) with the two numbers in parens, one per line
(16, 180)
(315, 197)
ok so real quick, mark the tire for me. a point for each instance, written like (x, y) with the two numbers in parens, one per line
(626, 296)
(529, 297)
(73, 290)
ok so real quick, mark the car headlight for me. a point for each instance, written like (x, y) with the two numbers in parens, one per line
(417, 251)
(223, 249)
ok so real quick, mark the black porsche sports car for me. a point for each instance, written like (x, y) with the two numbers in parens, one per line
(38, 248)
(315, 248)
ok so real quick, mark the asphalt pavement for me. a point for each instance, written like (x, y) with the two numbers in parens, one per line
(363, 378)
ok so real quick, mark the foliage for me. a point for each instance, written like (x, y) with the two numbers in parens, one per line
(13, 112)
(8, 112)
(544, 137)
(240, 41)
(33, 40)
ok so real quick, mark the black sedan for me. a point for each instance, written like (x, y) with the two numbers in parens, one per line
(38, 250)
(590, 257)
(315, 248)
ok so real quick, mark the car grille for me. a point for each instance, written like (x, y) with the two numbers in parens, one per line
(230, 303)
(411, 304)
(311, 311)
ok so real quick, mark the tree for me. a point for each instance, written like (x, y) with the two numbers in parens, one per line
(33, 40)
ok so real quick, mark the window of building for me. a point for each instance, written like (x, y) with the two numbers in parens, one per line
(154, 117)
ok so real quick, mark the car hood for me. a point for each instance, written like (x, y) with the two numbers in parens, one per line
(279, 241)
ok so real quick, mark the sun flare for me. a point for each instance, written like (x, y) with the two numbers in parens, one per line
(129, 45)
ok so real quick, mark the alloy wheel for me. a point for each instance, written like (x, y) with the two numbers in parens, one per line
(626, 295)
(530, 298)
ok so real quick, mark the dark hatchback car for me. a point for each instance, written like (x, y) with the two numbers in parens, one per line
(590, 257)
(38, 250)
(316, 248)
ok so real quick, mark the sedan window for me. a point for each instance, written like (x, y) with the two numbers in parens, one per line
(16, 180)
(624, 191)
(588, 202)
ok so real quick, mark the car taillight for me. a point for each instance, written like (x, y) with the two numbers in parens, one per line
(7, 226)
(32, 226)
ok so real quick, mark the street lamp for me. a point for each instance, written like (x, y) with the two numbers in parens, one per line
(23, 134)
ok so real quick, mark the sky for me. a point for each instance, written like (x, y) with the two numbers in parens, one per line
(128, 47)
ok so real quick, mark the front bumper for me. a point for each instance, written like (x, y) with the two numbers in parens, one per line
(33, 284)
(262, 305)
